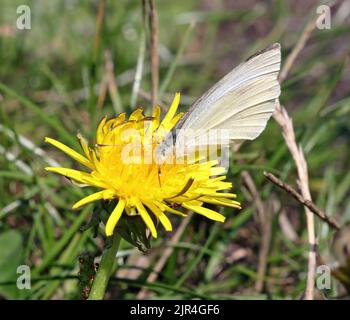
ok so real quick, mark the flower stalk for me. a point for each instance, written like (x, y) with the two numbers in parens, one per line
(104, 271)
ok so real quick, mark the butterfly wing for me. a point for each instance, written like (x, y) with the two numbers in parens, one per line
(240, 103)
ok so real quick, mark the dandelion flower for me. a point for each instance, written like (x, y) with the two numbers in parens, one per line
(145, 188)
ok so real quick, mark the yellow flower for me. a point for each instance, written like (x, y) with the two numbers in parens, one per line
(145, 187)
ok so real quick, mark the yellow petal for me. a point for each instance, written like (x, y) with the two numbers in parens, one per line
(174, 121)
(69, 173)
(104, 194)
(95, 160)
(113, 123)
(75, 155)
(78, 176)
(156, 116)
(213, 215)
(220, 185)
(84, 145)
(161, 216)
(137, 115)
(222, 201)
(146, 218)
(194, 203)
(100, 132)
(114, 217)
(217, 171)
(216, 194)
(172, 111)
(171, 210)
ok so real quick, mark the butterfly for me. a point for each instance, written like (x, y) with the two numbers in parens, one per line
(239, 105)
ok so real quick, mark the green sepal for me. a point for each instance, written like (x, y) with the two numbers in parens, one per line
(133, 230)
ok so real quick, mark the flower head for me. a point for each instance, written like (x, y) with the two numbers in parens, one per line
(144, 187)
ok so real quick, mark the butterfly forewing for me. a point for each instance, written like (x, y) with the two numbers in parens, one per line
(239, 104)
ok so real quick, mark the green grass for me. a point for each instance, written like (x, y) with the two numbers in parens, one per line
(48, 87)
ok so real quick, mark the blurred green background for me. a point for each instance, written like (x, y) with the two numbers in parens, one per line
(49, 77)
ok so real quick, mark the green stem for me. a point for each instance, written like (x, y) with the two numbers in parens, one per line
(104, 271)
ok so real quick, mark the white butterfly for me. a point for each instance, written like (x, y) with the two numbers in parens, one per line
(240, 104)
